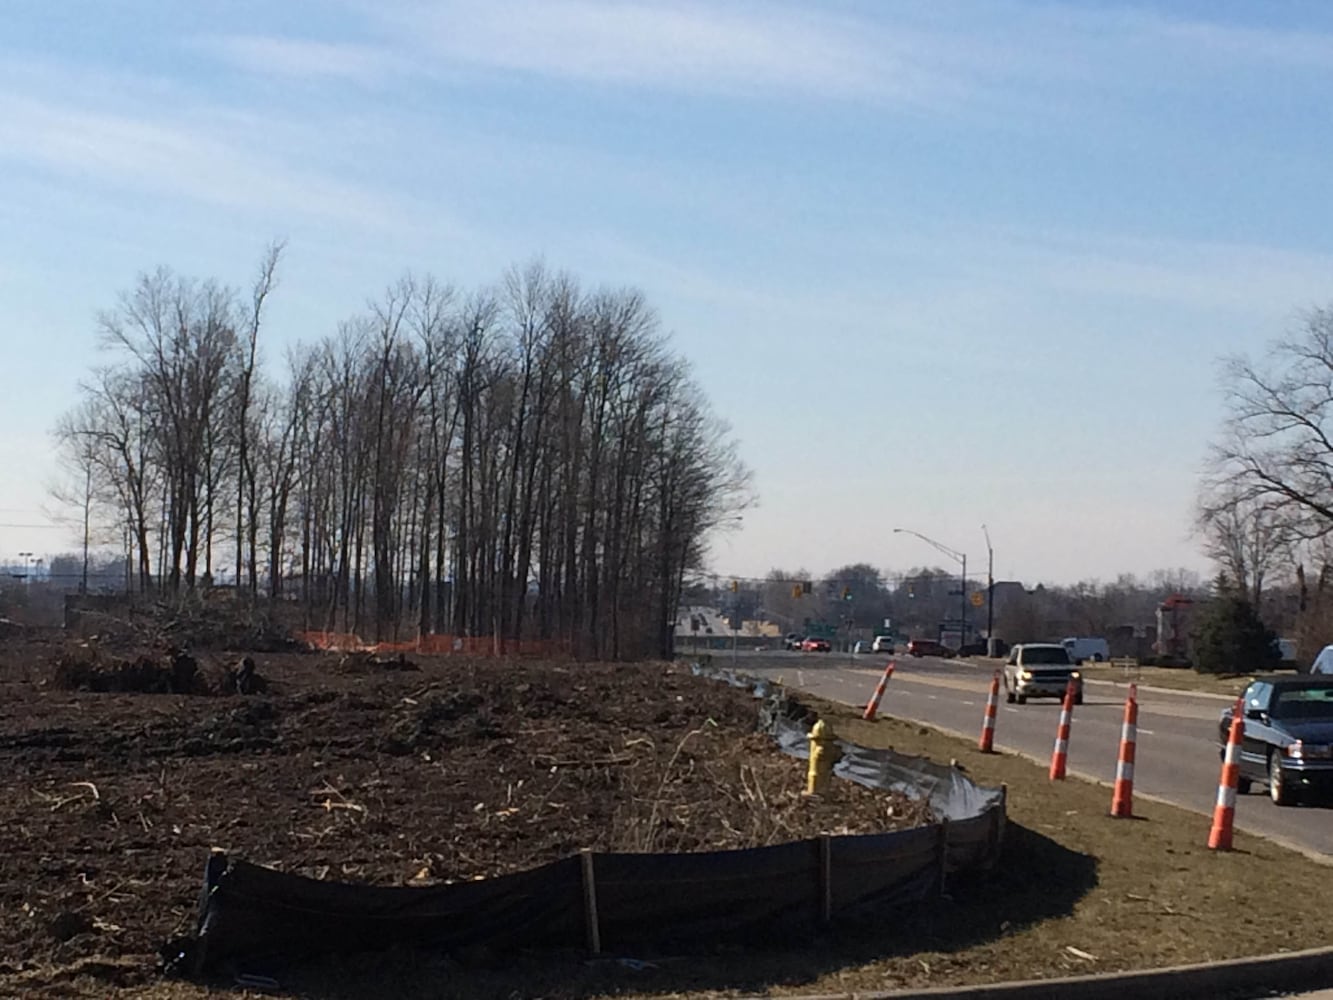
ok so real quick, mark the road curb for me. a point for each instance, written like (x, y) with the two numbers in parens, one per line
(1266, 974)
(1229, 699)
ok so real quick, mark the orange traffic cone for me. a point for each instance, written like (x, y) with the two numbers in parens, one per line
(1060, 755)
(872, 706)
(987, 741)
(1224, 812)
(1122, 799)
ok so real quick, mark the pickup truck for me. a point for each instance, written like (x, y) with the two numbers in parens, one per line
(1040, 670)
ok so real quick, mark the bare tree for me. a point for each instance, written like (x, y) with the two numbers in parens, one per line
(528, 460)
(1249, 540)
(1275, 452)
(179, 336)
(246, 493)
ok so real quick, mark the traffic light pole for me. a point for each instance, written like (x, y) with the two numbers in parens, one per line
(962, 589)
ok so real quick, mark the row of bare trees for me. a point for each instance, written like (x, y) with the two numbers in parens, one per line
(1265, 508)
(524, 460)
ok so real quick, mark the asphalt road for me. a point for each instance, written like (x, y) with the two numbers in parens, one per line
(1177, 757)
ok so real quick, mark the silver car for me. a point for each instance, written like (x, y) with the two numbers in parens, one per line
(1040, 670)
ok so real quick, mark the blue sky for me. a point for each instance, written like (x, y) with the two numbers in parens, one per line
(938, 264)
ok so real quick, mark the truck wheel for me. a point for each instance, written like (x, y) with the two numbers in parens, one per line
(1022, 699)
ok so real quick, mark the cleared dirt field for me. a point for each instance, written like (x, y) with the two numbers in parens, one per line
(346, 769)
(352, 769)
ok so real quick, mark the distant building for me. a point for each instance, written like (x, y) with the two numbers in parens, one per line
(1175, 622)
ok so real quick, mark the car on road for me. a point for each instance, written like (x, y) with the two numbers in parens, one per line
(1040, 670)
(928, 647)
(814, 644)
(1288, 739)
(792, 640)
(882, 644)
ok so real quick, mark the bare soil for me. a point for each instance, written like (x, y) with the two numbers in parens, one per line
(279, 779)
(116, 785)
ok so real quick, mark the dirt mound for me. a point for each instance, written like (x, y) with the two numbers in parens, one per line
(366, 662)
(83, 669)
(202, 620)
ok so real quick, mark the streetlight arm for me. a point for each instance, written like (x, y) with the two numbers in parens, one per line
(951, 553)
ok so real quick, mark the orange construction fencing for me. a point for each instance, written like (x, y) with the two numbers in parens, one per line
(440, 645)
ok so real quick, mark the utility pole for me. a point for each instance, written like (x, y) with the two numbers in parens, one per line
(990, 589)
(962, 607)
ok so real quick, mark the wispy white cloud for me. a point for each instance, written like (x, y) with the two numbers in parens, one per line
(303, 59)
(199, 160)
(741, 50)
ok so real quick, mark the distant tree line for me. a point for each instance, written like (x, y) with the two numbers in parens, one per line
(919, 599)
(529, 459)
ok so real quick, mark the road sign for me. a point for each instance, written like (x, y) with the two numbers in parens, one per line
(978, 598)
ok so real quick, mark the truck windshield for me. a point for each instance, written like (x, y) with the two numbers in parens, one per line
(1045, 656)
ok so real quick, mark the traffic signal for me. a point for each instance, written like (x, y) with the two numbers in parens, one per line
(796, 591)
(807, 587)
(735, 586)
(846, 593)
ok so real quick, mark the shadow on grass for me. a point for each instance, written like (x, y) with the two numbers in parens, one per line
(1036, 880)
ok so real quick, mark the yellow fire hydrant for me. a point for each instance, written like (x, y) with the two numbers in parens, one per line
(822, 753)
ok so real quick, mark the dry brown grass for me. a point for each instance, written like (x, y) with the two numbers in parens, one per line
(1175, 679)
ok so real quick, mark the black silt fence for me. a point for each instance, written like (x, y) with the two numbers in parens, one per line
(251, 915)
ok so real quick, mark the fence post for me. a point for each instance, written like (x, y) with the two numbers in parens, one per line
(943, 852)
(594, 930)
(825, 879)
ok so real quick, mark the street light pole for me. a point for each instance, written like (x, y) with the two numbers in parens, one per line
(962, 588)
(990, 588)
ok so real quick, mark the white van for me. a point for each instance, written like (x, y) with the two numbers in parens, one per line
(1087, 648)
(1323, 663)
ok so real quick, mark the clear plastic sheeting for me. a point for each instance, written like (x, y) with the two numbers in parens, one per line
(952, 794)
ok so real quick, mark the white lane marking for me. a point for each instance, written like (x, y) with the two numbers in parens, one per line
(973, 703)
(1147, 732)
(933, 697)
(1014, 710)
